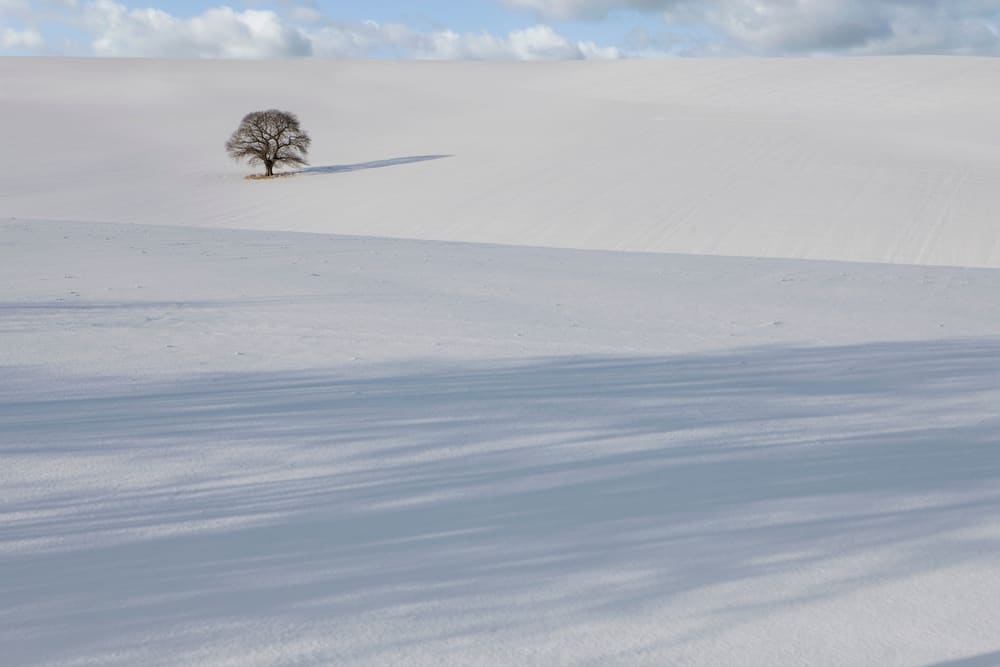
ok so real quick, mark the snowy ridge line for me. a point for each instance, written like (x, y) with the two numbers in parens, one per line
(276, 233)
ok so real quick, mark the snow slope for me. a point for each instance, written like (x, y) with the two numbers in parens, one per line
(247, 448)
(224, 441)
(874, 159)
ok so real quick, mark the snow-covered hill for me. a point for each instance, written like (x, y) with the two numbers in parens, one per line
(888, 159)
(227, 442)
(255, 448)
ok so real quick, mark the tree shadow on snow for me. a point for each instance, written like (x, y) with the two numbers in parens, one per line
(376, 164)
(984, 660)
(598, 486)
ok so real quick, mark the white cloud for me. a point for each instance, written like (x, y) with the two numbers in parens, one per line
(298, 28)
(540, 42)
(220, 32)
(27, 39)
(808, 26)
(536, 43)
(223, 32)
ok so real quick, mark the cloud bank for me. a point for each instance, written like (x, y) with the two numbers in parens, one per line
(28, 39)
(223, 32)
(299, 28)
(792, 27)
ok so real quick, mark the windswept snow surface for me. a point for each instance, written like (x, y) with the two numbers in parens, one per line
(224, 441)
(248, 448)
(863, 159)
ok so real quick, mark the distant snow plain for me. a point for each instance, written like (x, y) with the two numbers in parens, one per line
(689, 362)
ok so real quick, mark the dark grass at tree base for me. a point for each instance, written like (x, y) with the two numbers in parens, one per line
(265, 177)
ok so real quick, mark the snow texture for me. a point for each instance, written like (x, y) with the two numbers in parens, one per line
(879, 159)
(226, 441)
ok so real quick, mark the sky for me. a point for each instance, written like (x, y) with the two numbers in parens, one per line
(497, 29)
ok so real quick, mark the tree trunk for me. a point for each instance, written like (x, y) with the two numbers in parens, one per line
(269, 165)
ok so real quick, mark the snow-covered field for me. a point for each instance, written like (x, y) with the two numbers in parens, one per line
(225, 441)
(880, 159)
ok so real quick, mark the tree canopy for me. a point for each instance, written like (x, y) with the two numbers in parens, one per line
(272, 138)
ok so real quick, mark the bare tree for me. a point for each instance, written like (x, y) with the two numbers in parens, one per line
(270, 138)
